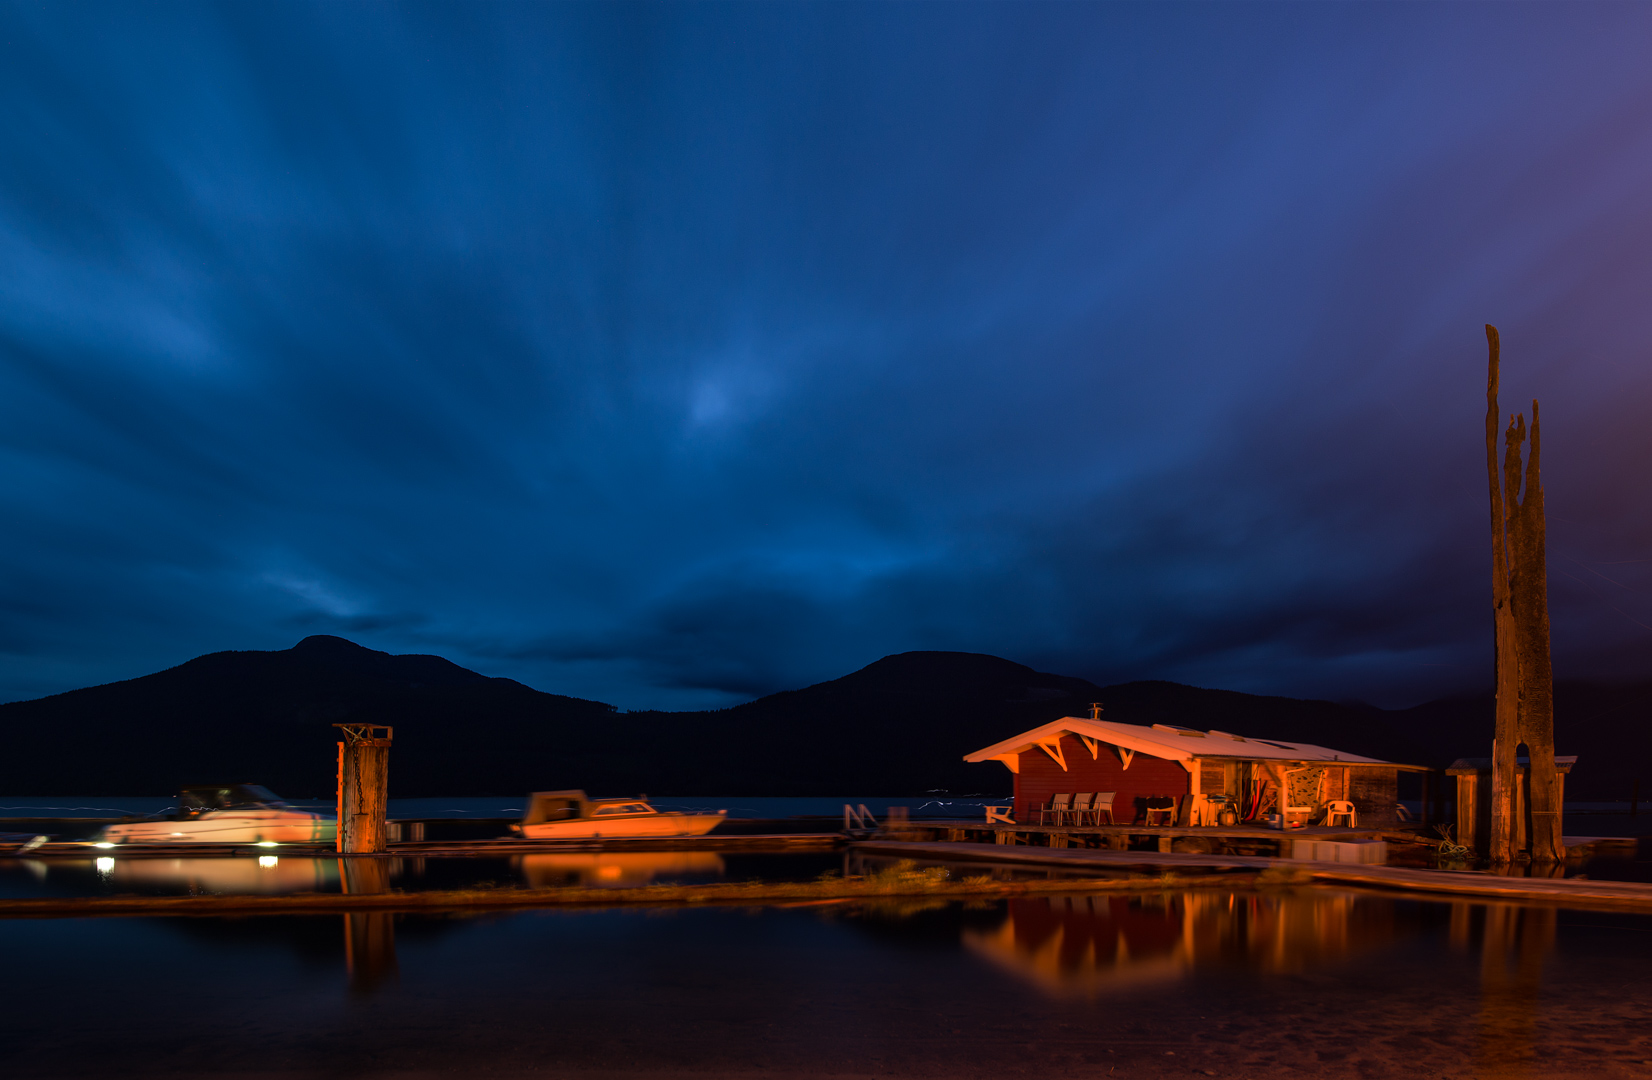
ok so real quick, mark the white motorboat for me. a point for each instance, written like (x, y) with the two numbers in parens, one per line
(570, 815)
(225, 814)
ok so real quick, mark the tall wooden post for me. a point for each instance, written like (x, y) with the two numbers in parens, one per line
(1505, 649)
(363, 787)
(1520, 604)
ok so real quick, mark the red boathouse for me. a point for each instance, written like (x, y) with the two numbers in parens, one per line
(1255, 776)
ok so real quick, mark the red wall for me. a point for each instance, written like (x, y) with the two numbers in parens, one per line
(1040, 777)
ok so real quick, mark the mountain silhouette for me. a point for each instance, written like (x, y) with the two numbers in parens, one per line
(898, 726)
(256, 715)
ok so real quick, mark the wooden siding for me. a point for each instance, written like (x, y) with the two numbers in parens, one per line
(1374, 793)
(1040, 778)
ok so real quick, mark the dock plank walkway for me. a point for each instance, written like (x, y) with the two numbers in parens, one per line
(1065, 858)
(1564, 892)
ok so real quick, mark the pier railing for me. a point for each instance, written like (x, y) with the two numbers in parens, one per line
(858, 818)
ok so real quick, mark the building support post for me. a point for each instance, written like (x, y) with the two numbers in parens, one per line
(1468, 809)
(363, 787)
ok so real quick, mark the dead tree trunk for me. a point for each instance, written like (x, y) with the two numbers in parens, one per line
(1507, 653)
(1529, 597)
(1520, 598)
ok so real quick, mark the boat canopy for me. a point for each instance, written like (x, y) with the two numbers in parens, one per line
(554, 806)
(564, 805)
(229, 797)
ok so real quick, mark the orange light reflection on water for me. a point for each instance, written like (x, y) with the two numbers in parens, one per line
(1089, 945)
(1092, 946)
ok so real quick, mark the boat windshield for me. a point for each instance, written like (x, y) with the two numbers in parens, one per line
(624, 808)
(229, 797)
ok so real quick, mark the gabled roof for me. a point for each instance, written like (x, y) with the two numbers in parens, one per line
(1164, 741)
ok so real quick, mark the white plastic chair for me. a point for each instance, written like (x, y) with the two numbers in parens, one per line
(1336, 808)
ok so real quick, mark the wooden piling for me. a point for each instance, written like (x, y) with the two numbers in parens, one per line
(1468, 805)
(363, 787)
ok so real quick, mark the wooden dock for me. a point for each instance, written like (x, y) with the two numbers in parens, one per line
(1211, 840)
(1228, 846)
(1247, 840)
(500, 848)
(1562, 892)
(773, 842)
(1165, 838)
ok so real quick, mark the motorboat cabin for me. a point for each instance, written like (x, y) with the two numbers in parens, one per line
(572, 815)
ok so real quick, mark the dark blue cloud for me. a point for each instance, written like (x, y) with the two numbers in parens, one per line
(674, 354)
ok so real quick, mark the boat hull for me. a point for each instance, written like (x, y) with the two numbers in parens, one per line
(641, 827)
(228, 827)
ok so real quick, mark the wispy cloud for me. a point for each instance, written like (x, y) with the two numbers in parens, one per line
(671, 355)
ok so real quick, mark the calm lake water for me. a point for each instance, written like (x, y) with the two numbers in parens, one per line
(1303, 983)
(113, 874)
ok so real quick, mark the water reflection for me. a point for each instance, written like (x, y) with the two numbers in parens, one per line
(1514, 943)
(369, 936)
(366, 875)
(266, 874)
(1086, 945)
(1073, 948)
(274, 873)
(615, 869)
(370, 950)
(1249, 984)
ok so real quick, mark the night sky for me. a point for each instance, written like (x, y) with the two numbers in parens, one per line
(673, 355)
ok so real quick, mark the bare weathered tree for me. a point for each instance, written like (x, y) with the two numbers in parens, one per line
(1506, 651)
(1520, 602)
